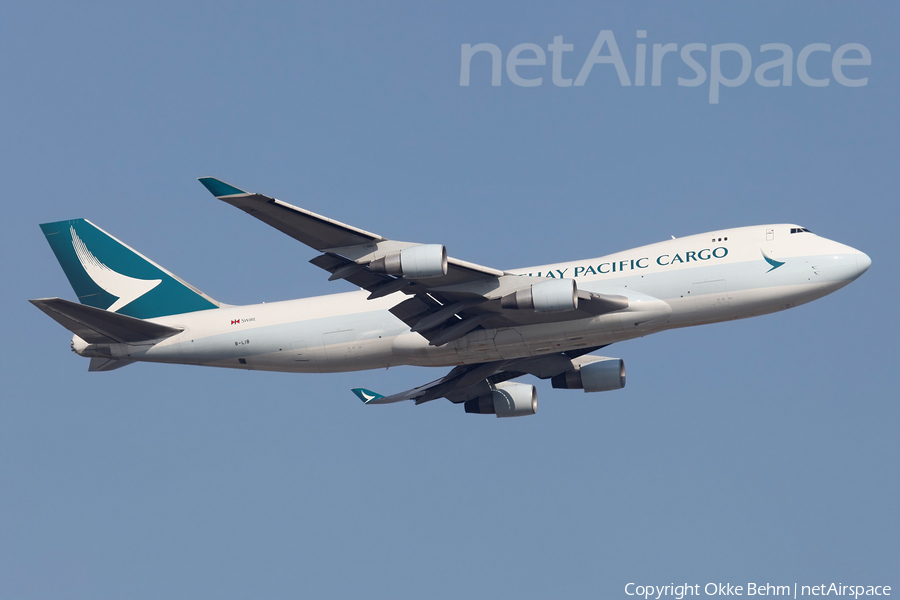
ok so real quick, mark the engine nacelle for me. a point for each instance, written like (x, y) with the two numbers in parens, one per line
(507, 400)
(547, 296)
(416, 262)
(600, 376)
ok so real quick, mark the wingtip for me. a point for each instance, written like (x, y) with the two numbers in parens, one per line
(219, 188)
(365, 395)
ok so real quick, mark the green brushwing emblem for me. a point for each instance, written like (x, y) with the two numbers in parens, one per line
(107, 274)
(775, 264)
(366, 395)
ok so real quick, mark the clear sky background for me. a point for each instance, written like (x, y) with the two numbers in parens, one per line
(753, 451)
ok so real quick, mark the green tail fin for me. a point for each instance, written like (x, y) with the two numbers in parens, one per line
(107, 274)
(365, 395)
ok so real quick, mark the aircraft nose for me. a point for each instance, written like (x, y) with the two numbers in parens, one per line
(863, 262)
(843, 263)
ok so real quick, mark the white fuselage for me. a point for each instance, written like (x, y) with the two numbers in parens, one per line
(705, 278)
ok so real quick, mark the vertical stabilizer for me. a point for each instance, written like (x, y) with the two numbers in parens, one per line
(107, 274)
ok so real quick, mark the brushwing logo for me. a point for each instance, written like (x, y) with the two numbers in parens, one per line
(775, 264)
(126, 289)
(366, 395)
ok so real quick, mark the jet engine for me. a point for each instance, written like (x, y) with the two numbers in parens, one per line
(507, 400)
(415, 262)
(547, 296)
(600, 376)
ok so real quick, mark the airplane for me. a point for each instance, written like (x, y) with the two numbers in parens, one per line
(418, 306)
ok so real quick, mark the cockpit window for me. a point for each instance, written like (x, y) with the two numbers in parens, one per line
(800, 230)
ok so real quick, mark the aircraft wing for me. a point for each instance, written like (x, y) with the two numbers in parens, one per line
(325, 235)
(467, 382)
(448, 297)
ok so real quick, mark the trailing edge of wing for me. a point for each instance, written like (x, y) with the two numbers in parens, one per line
(98, 326)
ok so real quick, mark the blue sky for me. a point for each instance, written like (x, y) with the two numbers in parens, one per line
(753, 451)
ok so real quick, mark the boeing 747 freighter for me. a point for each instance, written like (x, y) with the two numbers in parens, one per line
(419, 306)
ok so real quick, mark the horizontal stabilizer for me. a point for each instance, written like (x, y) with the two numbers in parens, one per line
(108, 364)
(98, 326)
